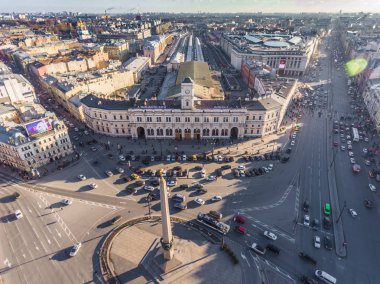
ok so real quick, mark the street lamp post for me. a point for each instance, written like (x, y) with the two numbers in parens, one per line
(341, 212)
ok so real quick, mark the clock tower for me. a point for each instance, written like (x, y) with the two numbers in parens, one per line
(187, 93)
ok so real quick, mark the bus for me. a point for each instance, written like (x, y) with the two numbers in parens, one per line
(355, 134)
(212, 223)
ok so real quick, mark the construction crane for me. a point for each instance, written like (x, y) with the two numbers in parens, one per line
(106, 17)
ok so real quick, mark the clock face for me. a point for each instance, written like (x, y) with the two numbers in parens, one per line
(187, 91)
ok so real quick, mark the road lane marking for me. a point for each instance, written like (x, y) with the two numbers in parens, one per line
(58, 233)
(49, 241)
(245, 258)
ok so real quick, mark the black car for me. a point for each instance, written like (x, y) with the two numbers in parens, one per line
(154, 195)
(184, 186)
(273, 249)
(308, 258)
(201, 191)
(307, 280)
(328, 243)
(326, 223)
(289, 150)
(368, 203)
(306, 206)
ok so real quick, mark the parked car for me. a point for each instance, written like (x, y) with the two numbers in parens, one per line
(328, 243)
(317, 242)
(273, 248)
(216, 198)
(306, 220)
(215, 214)
(66, 201)
(259, 249)
(82, 177)
(199, 201)
(308, 258)
(180, 206)
(270, 235)
(18, 214)
(74, 250)
(239, 219)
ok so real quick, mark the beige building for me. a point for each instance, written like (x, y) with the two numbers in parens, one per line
(137, 65)
(117, 50)
(186, 117)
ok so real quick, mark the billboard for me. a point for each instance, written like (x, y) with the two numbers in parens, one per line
(282, 64)
(38, 127)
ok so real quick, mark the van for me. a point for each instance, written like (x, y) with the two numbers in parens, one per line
(325, 277)
(215, 214)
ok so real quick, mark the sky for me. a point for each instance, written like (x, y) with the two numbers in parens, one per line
(176, 6)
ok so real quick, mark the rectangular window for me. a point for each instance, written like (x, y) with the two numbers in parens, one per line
(159, 119)
(235, 119)
(168, 119)
(187, 119)
(114, 117)
(196, 119)
(121, 117)
(216, 119)
(177, 119)
(206, 119)
(149, 119)
(225, 119)
(138, 119)
(260, 117)
(247, 117)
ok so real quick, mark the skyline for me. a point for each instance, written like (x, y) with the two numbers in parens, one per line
(191, 6)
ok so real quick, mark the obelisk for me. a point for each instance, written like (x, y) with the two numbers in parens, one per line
(167, 236)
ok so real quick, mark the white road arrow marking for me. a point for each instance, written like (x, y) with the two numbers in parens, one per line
(245, 258)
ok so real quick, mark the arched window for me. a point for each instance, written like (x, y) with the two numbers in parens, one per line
(215, 132)
(206, 132)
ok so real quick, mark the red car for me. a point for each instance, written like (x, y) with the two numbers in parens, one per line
(239, 219)
(240, 229)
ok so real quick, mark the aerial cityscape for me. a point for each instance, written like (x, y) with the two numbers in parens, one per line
(190, 142)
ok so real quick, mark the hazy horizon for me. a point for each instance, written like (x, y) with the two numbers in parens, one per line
(194, 6)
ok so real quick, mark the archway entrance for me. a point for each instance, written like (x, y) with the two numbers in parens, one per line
(178, 134)
(197, 134)
(187, 134)
(140, 133)
(234, 133)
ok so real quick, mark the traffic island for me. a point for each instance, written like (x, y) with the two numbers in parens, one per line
(133, 254)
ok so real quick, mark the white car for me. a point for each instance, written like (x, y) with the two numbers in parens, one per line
(211, 178)
(199, 201)
(349, 142)
(120, 170)
(76, 129)
(184, 157)
(343, 148)
(368, 163)
(270, 167)
(216, 198)
(293, 143)
(306, 220)
(366, 139)
(351, 154)
(82, 177)
(85, 132)
(352, 160)
(164, 173)
(294, 136)
(148, 188)
(168, 158)
(203, 173)
(18, 214)
(348, 137)
(172, 183)
(270, 235)
(93, 185)
(74, 250)
(317, 242)
(66, 201)
(241, 167)
(349, 147)
(372, 187)
(109, 173)
(121, 158)
(365, 150)
(353, 213)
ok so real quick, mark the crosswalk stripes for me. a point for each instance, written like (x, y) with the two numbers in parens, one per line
(262, 226)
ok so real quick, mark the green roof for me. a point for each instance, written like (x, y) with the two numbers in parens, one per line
(198, 71)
